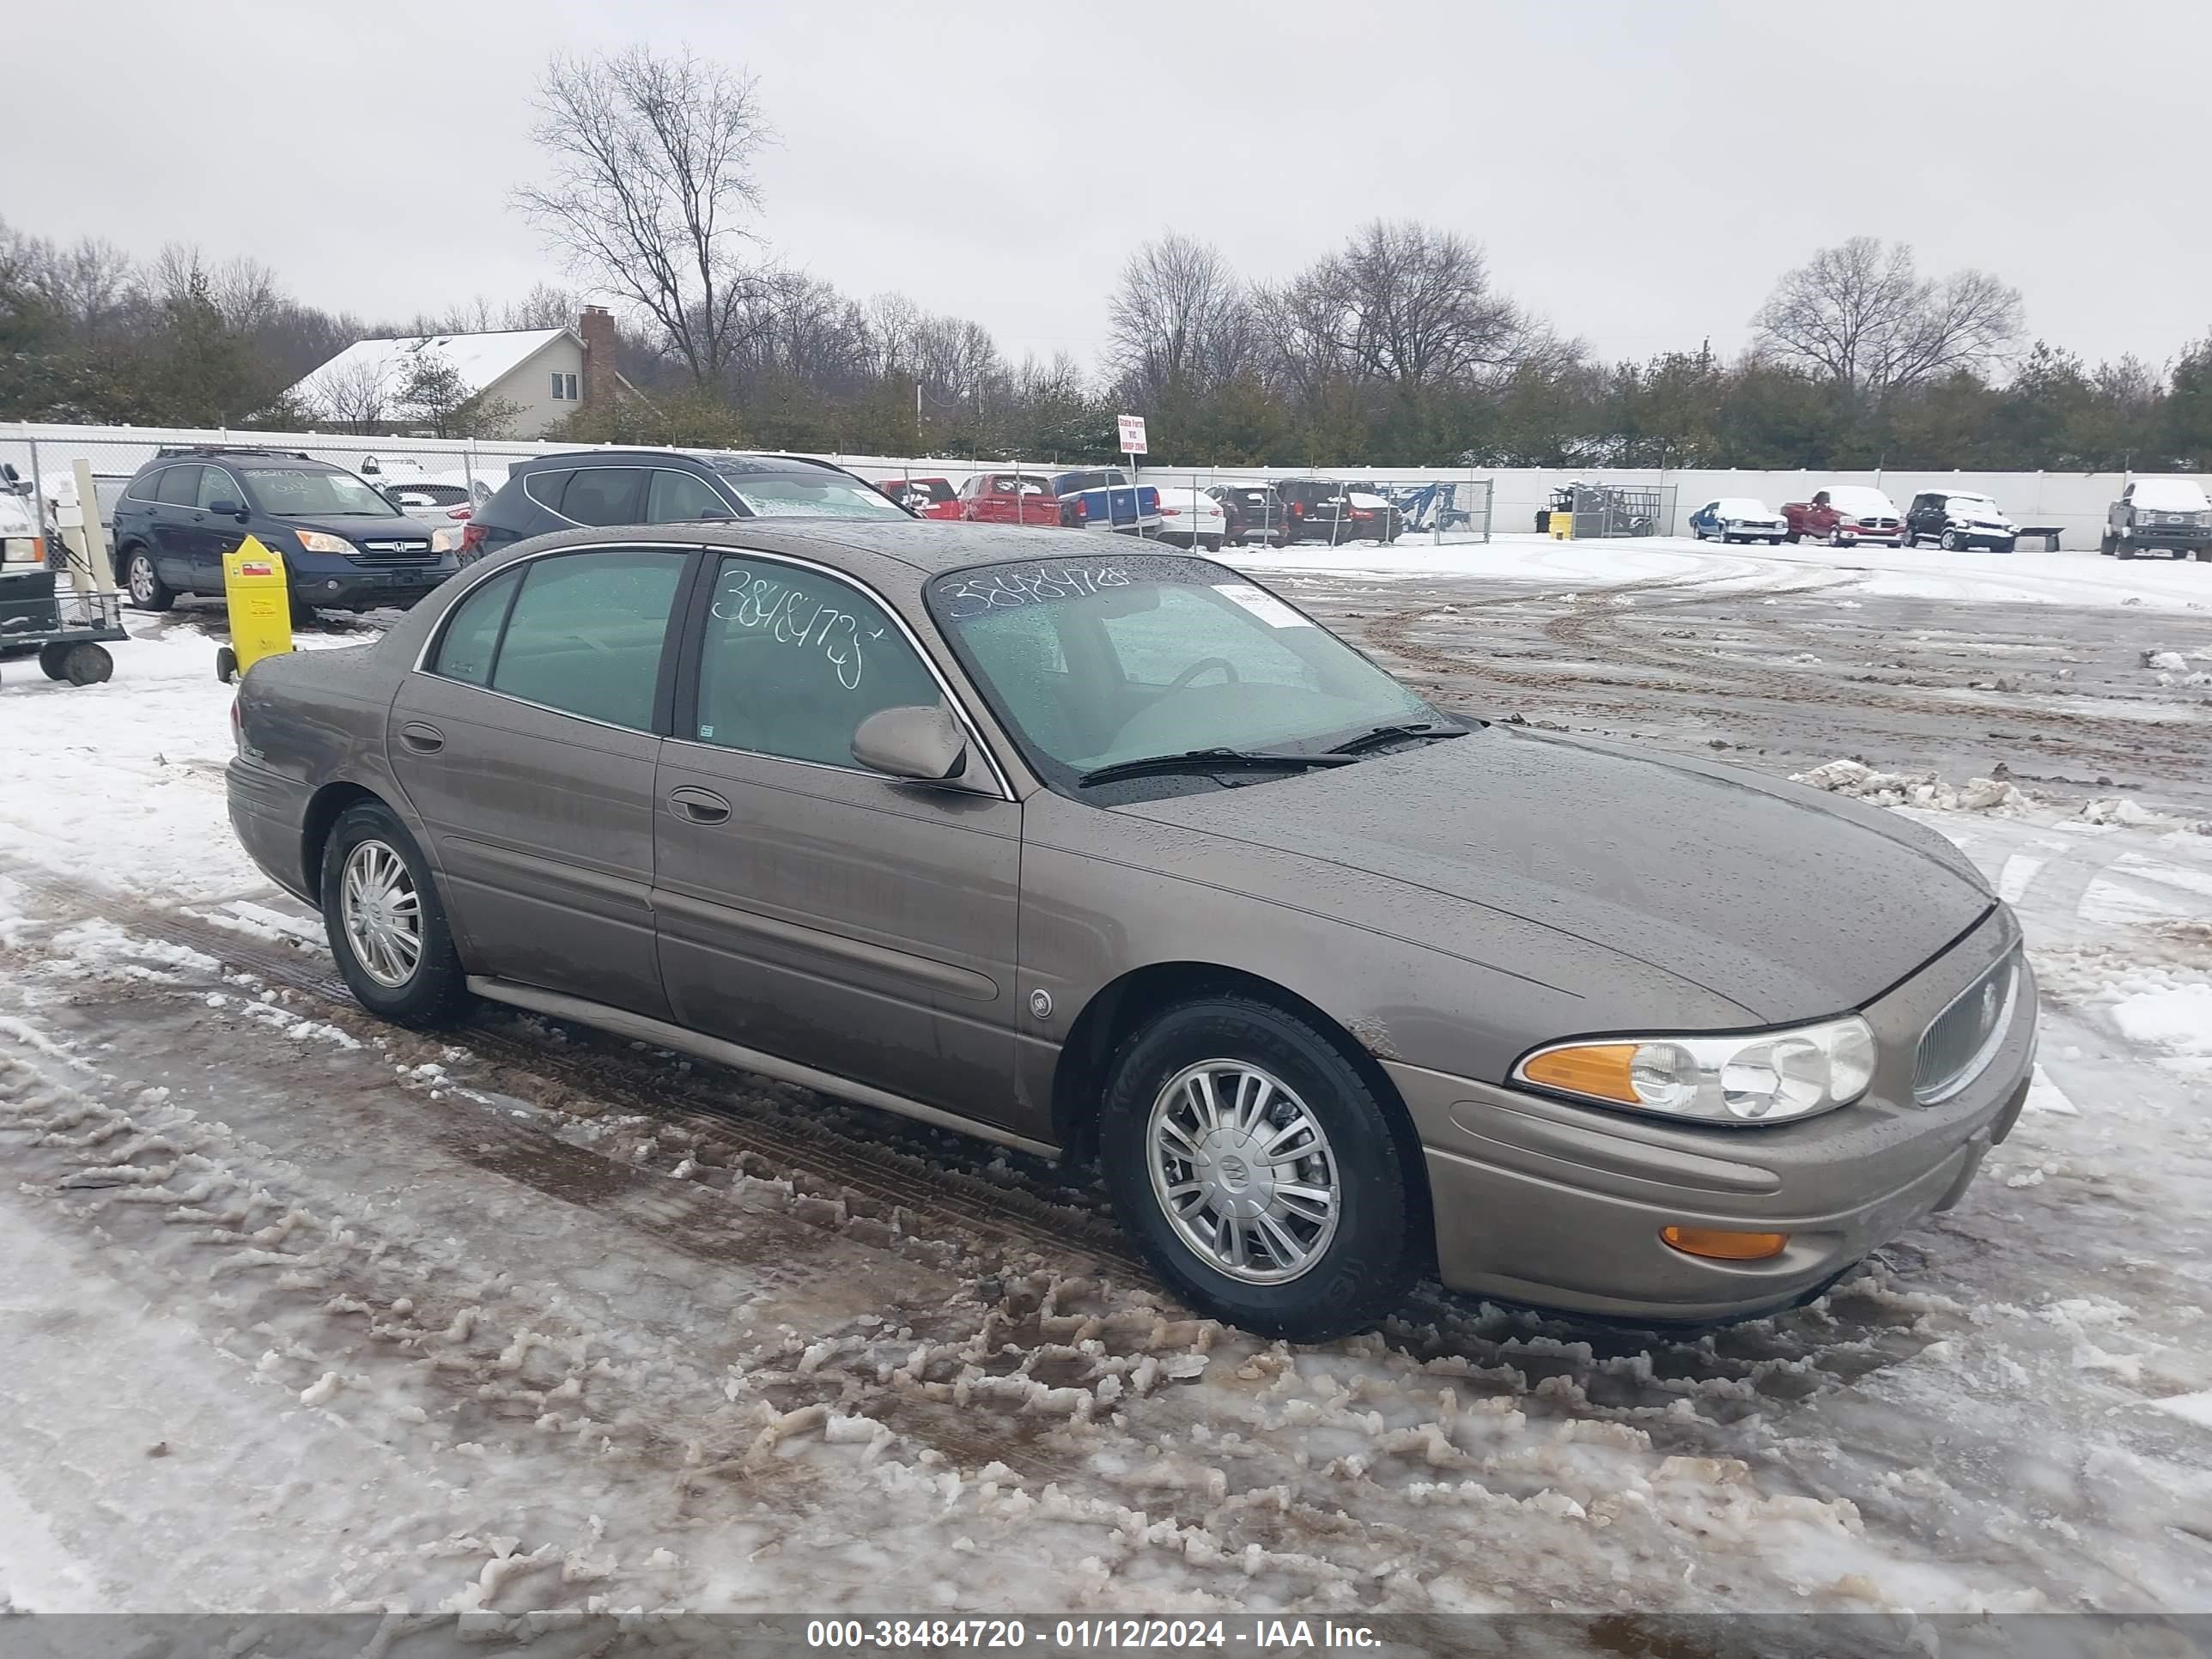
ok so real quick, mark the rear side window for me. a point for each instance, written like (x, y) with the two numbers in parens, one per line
(180, 486)
(545, 488)
(603, 495)
(585, 632)
(679, 497)
(146, 486)
(473, 631)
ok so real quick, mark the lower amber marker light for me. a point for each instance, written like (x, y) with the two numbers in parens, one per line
(1722, 1245)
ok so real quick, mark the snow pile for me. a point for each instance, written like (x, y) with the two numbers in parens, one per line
(1924, 789)
(2172, 661)
(2115, 809)
(2178, 1019)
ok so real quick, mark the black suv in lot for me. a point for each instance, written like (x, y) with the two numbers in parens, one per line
(1330, 510)
(665, 486)
(345, 547)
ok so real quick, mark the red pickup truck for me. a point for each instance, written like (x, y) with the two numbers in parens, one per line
(1843, 515)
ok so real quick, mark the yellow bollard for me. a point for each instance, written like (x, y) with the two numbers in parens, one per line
(260, 600)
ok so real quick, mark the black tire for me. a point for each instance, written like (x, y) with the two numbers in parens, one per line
(147, 591)
(2105, 545)
(1950, 542)
(1211, 543)
(2123, 550)
(1370, 1262)
(1835, 538)
(51, 659)
(84, 664)
(1793, 538)
(226, 664)
(1775, 540)
(436, 993)
(303, 613)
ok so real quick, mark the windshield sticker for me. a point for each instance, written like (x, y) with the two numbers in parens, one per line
(1035, 584)
(748, 600)
(1264, 606)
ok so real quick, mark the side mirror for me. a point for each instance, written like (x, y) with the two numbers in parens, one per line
(223, 507)
(919, 741)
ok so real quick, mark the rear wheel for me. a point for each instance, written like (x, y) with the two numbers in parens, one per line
(386, 923)
(147, 591)
(1266, 1180)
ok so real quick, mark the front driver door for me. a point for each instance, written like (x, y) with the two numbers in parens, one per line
(526, 745)
(809, 907)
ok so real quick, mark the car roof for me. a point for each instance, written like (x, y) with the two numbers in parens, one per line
(728, 460)
(235, 452)
(924, 547)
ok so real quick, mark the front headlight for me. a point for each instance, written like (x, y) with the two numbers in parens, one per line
(447, 540)
(1761, 1077)
(318, 541)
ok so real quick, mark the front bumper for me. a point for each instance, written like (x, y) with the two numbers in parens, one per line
(2175, 536)
(358, 589)
(1542, 1201)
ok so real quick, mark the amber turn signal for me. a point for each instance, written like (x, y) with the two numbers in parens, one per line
(1722, 1245)
(1600, 1069)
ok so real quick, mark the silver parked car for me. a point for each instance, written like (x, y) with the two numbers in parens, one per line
(1097, 850)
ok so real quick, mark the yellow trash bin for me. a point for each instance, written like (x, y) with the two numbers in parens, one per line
(1562, 526)
(260, 600)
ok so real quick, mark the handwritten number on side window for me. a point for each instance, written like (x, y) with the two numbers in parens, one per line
(751, 600)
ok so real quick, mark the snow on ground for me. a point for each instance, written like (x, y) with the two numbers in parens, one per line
(303, 1312)
(2083, 578)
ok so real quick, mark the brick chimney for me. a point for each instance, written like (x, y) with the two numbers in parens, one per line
(597, 326)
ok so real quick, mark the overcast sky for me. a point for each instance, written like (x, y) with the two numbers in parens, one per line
(1638, 170)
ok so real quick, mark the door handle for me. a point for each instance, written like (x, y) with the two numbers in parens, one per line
(698, 805)
(423, 739)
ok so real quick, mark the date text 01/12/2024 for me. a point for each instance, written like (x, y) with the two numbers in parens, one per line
(1088, 1635)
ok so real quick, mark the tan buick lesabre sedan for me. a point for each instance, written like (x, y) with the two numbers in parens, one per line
(1098, 850)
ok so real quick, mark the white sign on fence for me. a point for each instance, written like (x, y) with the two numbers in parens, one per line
(1132, 435)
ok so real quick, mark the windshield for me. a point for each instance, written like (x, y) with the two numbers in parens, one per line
(2170, 494)
(1983, 504)
(1856, 499)
(1742, 507)
(1093, 661)
(919, 491)
(297, 492)
(771, 495)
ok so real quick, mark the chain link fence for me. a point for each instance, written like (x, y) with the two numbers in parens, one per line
(1602, 510)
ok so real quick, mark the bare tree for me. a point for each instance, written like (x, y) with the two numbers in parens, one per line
(1861, 314)
(1404, 304)
(1180, 321)
(545, 306)
(352, 395)
(652, 182)
(91, 285)
(891, 321)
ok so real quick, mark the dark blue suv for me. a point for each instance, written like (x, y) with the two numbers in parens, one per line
(345, 546)
(666, 486)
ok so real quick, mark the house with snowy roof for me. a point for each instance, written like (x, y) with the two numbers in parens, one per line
(535, 378)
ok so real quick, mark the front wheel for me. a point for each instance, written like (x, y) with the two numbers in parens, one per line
(1262, 1174)
(1950, 542)
(2123, 550)
(386, 925)
(147, 591)
(1835, 538)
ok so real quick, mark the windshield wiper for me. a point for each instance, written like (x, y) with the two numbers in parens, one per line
(1205, 760)
(1375, 737)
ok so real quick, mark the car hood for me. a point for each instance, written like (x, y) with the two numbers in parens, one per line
(371, 530)
(1790, 904)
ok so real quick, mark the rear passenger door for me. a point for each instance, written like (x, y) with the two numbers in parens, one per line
(175, 523)
(526, 743)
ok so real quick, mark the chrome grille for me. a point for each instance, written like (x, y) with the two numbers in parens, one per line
(1962, 1040)
(394, 553)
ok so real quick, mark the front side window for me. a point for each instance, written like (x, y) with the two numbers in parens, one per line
(1095, 661)
(794, 659)
(217, 485)
(584, 635)
(299, 492)
(680, 497)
